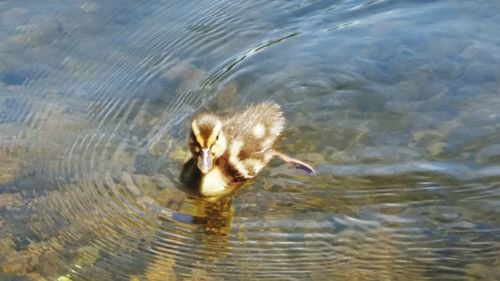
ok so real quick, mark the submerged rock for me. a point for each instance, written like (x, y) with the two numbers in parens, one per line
(42, 31)
(9, 169)
(226, 97)
(50, 264)
(86, 255)
(128, 182)
(10, 200)
(20, 262)
(6, 246)
(478, 271)
(89, 7)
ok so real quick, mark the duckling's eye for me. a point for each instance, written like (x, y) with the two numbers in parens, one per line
(217, 138)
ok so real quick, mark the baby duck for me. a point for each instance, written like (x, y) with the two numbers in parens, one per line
(228, 151)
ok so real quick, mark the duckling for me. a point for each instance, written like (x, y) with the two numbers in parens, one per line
(227, 151)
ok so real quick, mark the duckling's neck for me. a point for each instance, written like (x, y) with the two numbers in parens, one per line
(213, 183)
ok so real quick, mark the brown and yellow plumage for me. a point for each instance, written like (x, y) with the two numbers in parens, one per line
(228, 151)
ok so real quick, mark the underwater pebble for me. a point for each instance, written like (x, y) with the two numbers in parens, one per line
(10, 200)
(43, 32)
(376, 71)
(475, 52)
(186, 72)
(436, 148)
(226, 96)
(410, 88)
(449, 69)
(179, 154)
(89, 7)
(50, 262)
(477, 271)
(162, 181)
(146, 201)
(187, 75)
(7, 174)
(145, 184)
(170, 197)
(71, 63)
(6, 246)
(462, 224)
(86, 255)
(425, 135)
(157, 148)
(481, 72)
(142, 180)
(129, 184)
(448, 217)
(489, 154)
(9, 168)
(20, 262)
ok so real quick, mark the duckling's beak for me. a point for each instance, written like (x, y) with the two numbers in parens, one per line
(205, 161)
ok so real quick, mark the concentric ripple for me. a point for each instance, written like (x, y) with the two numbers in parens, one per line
(395, 104)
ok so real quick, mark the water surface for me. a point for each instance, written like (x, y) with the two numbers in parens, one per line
(394, 102)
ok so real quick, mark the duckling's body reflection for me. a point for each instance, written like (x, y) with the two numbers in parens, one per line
(198, 230)
(212, 216)
(216, 216)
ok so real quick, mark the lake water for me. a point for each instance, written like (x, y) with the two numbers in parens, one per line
(395, 103)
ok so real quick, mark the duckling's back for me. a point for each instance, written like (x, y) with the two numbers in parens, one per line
(251, 134)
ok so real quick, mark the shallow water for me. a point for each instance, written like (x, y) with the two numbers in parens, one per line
(394, 102)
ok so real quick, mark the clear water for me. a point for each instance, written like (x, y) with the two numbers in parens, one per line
(396, 103)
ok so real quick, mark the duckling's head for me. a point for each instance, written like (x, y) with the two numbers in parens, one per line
(207, 141)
